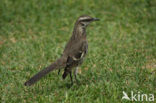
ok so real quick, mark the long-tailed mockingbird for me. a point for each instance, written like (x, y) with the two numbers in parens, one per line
(73, 54)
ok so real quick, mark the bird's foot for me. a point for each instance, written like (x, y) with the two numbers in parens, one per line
(58, 71)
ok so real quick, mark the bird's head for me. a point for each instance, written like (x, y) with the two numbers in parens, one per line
(85, 20)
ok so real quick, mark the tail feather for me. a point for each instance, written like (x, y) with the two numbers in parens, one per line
(58, 64)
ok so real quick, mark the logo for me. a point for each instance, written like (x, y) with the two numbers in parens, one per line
(138, 96)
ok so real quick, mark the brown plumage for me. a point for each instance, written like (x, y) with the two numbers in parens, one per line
(73, 54)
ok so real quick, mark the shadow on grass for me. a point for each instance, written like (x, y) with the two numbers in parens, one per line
(81, 82)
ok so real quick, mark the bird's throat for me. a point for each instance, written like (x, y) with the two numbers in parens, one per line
(79, 32)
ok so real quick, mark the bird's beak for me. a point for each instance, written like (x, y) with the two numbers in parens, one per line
(96, 19)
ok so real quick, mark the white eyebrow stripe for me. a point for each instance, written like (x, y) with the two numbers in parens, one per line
(83, 18)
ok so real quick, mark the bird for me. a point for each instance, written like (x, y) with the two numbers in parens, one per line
(73, 54)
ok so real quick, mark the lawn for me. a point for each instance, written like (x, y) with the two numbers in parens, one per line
(121, 55)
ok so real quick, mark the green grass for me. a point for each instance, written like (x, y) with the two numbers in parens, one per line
(121, 57)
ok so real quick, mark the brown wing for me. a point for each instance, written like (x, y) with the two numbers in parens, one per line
(77, 54)
(79, 51)
(75, 58)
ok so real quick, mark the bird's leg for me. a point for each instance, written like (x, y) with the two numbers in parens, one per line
(58, 71)
(71, 77)
(75, 74)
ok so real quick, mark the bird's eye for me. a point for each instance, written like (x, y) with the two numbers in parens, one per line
(82, 24)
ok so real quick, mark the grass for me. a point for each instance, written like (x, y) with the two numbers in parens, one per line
(121, 57)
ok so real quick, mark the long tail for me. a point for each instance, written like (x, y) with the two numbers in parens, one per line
(58, 64)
